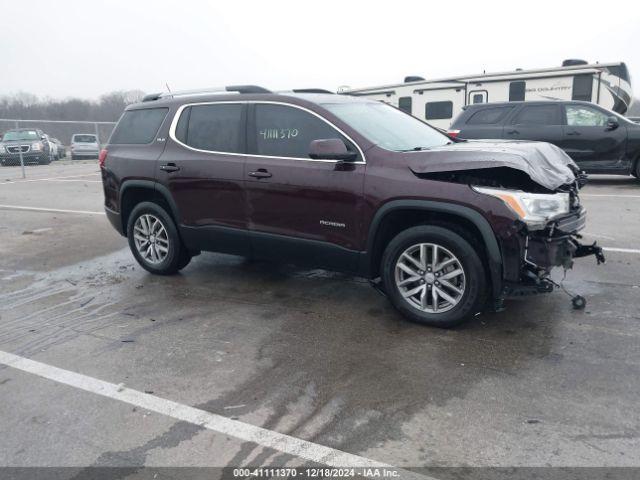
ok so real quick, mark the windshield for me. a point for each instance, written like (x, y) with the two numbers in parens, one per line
(388, 127)
(20, 135)
(84, 138)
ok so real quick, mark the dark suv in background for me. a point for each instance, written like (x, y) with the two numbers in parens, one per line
(445, 228)
(31, 142)
(598, 140)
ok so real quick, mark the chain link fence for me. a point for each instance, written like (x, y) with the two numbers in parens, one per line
(22, 144)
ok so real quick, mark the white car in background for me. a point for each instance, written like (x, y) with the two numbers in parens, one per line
(84, 145)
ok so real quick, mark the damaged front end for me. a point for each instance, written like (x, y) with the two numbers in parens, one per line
(539, 184)
(545, 235)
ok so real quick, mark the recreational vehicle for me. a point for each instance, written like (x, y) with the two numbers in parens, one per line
(439, 101)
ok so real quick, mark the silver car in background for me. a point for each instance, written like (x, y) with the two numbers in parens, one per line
(84, 145)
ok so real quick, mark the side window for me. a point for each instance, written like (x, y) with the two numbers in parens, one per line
(488, 116)
(215, 127)
(582, 87)
(438, 110)
(538, 115)
(477, 98)
(282, 131)
(404, 104)
(516, 91)
(138, 126)
(579, 116)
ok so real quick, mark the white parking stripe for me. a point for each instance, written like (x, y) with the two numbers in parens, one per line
(607, 195)
(621, 250)
(49, 178)
(211, 421)
(54, 210)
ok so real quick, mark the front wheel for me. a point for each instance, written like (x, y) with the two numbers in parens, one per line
(433, 276)
(154, 240)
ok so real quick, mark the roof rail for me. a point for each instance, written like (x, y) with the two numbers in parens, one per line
(311, 90)
(203, 91)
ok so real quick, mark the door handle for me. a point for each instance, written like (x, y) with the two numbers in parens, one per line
(170, 167)
(514, 131)
(574, 133)
(260, 173)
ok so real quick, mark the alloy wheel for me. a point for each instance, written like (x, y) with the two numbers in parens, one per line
(151, 239)
(430, 278)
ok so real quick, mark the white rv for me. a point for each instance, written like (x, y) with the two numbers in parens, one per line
(439, 101)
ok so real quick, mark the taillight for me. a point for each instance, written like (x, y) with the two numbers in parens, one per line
(102, 157)
(453, 133)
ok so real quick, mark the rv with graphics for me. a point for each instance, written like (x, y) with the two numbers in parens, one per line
(439, 101)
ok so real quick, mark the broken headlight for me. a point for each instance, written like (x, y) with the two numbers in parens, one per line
(535, 209)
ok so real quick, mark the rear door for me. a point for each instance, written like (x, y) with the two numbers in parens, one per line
(540, 122)
(484, 122)
(203, 169)
(588, 140)
(304, 210)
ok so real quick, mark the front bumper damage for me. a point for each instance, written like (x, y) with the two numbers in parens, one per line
(542, 250)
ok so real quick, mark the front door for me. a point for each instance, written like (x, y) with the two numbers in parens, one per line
(203, 169)
(302, 210)
(590, 142)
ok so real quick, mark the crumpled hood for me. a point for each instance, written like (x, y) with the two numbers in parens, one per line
(545, 163)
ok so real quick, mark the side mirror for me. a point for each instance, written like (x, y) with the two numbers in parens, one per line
(330, 149)
(612, 123)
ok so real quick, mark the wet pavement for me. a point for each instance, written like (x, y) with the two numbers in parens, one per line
(316, 355)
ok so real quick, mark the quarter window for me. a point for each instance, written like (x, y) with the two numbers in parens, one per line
(579, 116)
(404, 104)
(282, 131)
(538, 115)
(582, 87)
(136, 126)
(438, 110)
(516, 91)
(216, 127)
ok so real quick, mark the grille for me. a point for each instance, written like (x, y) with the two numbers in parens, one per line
(17, 148)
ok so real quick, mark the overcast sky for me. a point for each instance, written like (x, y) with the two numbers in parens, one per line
(86, 48)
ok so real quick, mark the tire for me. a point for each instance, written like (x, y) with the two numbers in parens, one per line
(636, 170)
(44, 160)
(470, 285)
(73, 157)
(153, 260)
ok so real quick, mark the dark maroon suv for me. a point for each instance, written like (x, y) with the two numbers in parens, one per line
(445, 228)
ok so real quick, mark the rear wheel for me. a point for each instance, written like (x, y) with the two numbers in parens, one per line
(154, 240)
(433, 276)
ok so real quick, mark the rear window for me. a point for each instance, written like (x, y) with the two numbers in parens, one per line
(538, 115)
(438, 110)
(488, 116)
(216, 128)
(138, 126)
(84, 139)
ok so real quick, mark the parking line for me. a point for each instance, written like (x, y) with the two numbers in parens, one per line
(49, 178)
(211, 421)
(607, 195)
(54, 210)
(621, 250)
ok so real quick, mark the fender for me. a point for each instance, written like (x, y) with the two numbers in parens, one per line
(157, 188)
(491, 243)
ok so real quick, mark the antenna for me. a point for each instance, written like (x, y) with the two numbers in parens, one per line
(167, 85)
